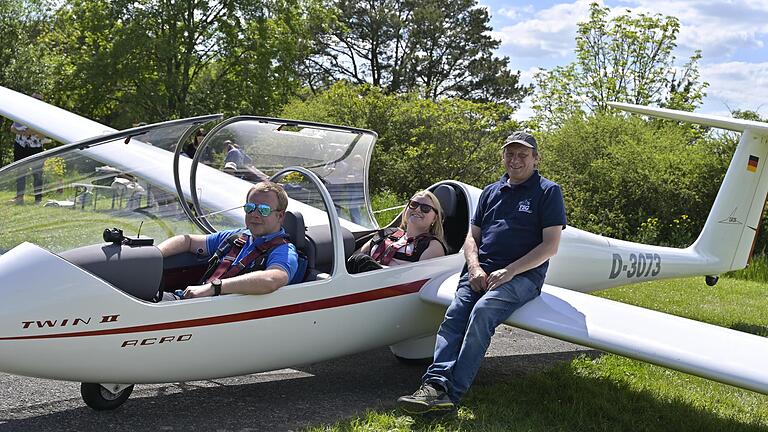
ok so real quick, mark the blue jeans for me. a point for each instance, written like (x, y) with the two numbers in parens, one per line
(466, 331)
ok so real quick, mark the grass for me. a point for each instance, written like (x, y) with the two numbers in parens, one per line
(609, 392)
(757, 270)
(58, 228)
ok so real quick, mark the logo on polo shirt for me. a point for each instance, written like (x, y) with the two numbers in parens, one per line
(524, 206)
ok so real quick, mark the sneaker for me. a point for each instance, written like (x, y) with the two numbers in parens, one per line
(19, 200)
(429, 397)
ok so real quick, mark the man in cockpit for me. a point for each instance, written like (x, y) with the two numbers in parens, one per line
(258, 259)
(515, 230)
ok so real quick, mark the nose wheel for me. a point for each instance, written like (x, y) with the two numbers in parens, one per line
(105, 397)
(711, 280)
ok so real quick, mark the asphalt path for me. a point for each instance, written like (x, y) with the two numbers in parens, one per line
(283, 400)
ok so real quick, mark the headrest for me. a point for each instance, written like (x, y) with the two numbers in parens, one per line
(293, 224)
(447, 197)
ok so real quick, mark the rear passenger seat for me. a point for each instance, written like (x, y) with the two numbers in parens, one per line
(319, 248)
(316, 243)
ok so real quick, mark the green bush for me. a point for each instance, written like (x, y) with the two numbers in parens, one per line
(633, 179)
(384, 200)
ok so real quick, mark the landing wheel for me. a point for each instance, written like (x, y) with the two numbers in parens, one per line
(711, 280)
(99, 398)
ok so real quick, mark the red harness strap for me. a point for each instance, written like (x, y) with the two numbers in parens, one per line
(390, 245)
(385, 250)
(225, 268)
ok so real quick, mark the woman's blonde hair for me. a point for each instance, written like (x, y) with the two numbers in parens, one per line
(436, 229)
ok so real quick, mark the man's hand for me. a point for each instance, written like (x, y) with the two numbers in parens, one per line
(478, 279)
(499, 277)
(194, 291)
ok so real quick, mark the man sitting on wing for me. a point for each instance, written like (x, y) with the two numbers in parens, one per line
(256, 260)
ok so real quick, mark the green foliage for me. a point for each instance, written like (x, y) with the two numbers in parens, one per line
(22, 55)
(260, 64)
(756, 270)
(54, 168)
(123, 62)
(384, 200)
(633, 179)
(624, 59)
(435, 48)
(420, 140)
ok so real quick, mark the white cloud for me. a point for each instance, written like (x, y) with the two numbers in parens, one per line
(515, 12)
(508, 12)
(730, 34)
(717, 28)
(720, 29)
(549, 33)
(736, 85)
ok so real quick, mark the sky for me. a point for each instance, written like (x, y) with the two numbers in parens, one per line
(730, 34)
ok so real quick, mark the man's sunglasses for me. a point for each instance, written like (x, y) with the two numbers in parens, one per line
(425, 208)
(264, 209)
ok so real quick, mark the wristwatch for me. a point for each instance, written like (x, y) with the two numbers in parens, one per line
(216, 284)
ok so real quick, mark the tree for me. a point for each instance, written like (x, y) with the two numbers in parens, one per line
(22, 55)
(263, 51)
(126, 61)
(433, 47)
(624, 59)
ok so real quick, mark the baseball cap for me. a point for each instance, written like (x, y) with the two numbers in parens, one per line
(520, 137)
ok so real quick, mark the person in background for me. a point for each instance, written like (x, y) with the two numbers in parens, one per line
(236, 155)
(28, 142)
(191, 148)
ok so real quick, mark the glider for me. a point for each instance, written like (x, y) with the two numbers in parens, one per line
(76, 307)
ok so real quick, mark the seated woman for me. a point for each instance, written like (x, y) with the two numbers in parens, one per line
(420, 236)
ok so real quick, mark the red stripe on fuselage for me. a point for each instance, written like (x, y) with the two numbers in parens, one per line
(346, 300)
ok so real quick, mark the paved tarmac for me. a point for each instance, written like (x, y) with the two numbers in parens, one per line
(283, 400)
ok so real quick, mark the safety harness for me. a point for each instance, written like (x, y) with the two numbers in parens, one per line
(220, 265)
(389, 241)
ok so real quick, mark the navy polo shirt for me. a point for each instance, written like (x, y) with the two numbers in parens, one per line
(511, 218)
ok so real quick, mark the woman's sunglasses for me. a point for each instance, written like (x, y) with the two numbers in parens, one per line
(264, 209)
(425, 208)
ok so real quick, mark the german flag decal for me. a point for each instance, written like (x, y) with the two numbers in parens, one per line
(752, 164)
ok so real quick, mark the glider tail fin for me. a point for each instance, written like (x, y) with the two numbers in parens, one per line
(729, 234)
(731, 228)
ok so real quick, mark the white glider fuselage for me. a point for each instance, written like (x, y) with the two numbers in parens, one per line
(105, 335)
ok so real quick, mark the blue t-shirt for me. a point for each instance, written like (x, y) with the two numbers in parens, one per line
(511, 219)
(283, 256)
